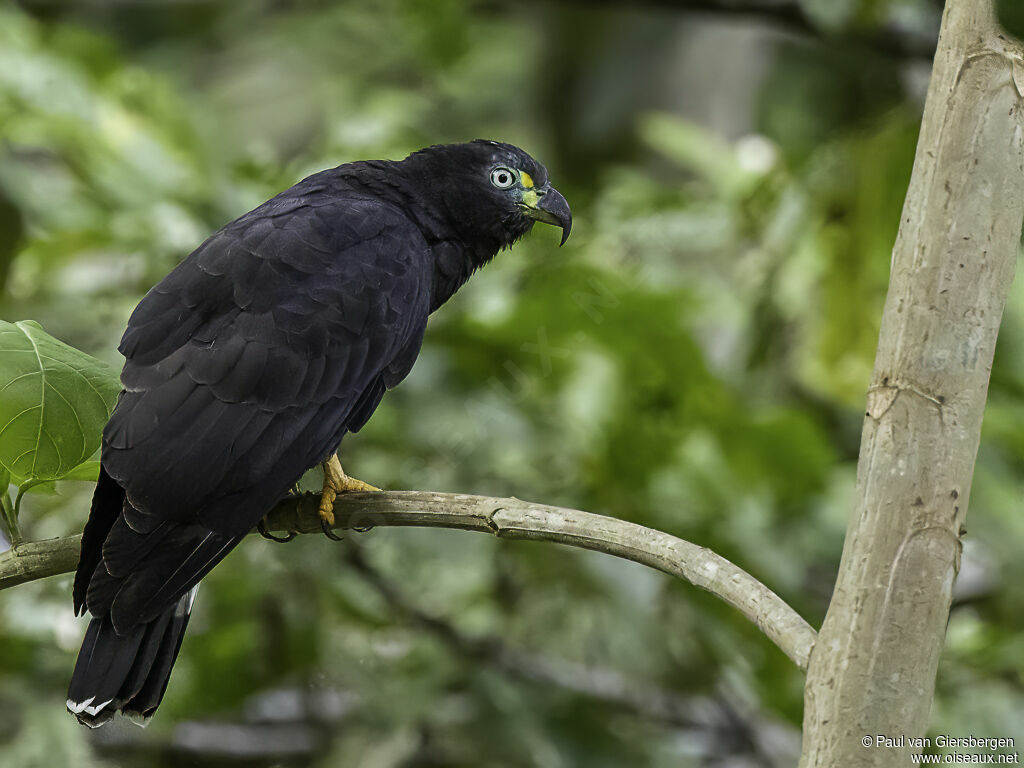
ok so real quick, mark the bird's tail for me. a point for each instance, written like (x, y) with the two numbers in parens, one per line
(127, 673)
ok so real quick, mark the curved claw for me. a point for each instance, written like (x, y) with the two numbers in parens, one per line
(261, 528)
(328, 532)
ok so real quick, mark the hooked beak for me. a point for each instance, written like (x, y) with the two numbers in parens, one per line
(551, 208)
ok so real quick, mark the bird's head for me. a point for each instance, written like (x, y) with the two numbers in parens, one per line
(490, 192)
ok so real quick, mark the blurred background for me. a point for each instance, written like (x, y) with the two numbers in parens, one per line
(694, 359)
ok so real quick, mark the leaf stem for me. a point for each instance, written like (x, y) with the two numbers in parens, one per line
(12, 515)
(22, 490)
(10, 518)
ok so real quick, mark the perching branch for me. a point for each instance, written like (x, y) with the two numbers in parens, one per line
(33, 560)
(507, 518)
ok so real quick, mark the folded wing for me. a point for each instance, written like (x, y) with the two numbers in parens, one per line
(245, 367)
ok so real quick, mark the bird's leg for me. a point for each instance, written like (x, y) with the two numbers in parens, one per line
(335, 482)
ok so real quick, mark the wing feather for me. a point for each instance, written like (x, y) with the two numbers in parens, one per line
(245, 367)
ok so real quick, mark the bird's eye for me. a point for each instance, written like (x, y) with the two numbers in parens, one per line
(502, 178)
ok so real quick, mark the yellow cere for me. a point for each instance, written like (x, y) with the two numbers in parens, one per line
(530, 198)
(526, 179)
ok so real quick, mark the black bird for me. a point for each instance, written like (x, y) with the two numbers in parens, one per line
(249, 362)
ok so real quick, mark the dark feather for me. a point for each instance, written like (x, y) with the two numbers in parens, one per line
(246, 366)
(107, 501)
(126, 672)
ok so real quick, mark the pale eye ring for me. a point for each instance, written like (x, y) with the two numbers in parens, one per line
(503, 177)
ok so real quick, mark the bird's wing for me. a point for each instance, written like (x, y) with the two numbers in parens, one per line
(244, 367)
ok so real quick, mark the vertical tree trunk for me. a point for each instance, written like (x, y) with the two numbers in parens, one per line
(873, 668)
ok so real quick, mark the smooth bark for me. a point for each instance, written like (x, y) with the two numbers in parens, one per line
(508, 519)
(873, 669)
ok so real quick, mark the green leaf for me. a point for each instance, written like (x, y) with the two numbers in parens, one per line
(42, 488)
(87, 471)
(54, 401)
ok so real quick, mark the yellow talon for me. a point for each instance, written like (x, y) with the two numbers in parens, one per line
(335, 482)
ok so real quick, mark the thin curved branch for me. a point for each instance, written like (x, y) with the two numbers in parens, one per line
(507, 518)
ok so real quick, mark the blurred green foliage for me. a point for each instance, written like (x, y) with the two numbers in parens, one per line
(695, 359)
(1011, 16)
